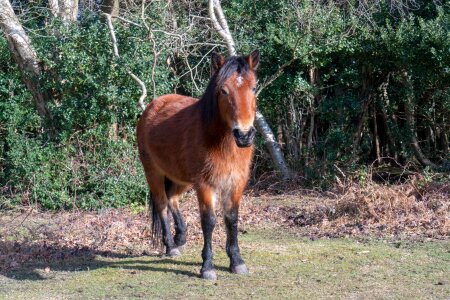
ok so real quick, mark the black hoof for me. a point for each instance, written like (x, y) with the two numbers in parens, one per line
(239, 269)
(209, 275)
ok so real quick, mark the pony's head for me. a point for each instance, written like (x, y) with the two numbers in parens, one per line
(235, 86)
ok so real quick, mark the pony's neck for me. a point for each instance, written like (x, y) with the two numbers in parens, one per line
(216, 133)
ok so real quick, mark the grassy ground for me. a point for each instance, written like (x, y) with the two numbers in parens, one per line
(281, 266)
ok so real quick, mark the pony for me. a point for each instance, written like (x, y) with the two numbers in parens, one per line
(206, 144)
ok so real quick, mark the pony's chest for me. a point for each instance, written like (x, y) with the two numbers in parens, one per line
(225, 171)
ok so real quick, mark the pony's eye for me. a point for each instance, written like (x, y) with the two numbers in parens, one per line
(254, 89)
(225, 93)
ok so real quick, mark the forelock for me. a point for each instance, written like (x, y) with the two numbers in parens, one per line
(232, 64)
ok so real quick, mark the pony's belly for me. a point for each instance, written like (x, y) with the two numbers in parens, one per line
(174, 170)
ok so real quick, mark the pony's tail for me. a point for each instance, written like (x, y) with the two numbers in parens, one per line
(156, 237)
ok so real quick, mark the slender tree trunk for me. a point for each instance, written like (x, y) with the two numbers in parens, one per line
(367, 98)
(274, 149)
(314, 99)
(111, 8)
(376, 137)
(384, 117)
(410, 123)
(26, 58)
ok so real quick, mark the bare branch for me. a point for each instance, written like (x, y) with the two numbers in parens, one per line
(116, 55)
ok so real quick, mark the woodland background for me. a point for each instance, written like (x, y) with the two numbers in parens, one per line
(346, 85)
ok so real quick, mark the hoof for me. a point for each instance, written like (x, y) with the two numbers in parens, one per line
(181, 248)
(239, 269)
(174, 252)
(209, 275)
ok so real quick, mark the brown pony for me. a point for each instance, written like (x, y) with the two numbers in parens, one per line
(206, 144)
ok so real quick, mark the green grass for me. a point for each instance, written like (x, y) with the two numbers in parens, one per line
(281, 265)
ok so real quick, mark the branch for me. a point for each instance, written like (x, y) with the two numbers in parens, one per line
(277, 74)
(141, 103)
(221, 25)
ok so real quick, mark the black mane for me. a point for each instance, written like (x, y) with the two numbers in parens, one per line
(208, 101)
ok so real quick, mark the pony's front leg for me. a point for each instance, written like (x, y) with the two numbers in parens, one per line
(231, 210)
(207, 198)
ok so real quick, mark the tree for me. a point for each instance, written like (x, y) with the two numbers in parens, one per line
(26, 58)
(67, 10)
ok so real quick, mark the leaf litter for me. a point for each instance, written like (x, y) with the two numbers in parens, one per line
(385, 211)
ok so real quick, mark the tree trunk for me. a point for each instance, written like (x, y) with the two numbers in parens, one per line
(410, 123)
(367, 98)
(376, 137)
(110, 7)
(314, 99)
(26, 58)
(384, 118)
(67, 10)
(54, 7)
(272, 145)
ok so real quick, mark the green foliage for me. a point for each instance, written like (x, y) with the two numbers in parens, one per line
(339, 42)
(87, 166)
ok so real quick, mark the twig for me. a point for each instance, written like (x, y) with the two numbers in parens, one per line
(277, 74)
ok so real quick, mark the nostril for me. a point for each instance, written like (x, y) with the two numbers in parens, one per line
(236, 133)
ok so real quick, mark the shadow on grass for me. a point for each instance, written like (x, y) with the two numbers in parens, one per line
(67, 259)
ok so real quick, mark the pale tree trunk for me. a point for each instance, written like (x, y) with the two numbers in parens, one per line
(220, 24)
(54, 7)
(26, 58)
(110, 7)
(67, 10)
(376, 137)
(384, 116)
(314, 81)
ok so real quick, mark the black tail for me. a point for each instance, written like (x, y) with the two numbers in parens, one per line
(156, 237)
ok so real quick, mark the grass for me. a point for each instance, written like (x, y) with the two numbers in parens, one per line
(282, 266)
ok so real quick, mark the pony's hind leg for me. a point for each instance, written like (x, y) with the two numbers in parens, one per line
(173, 192)
(159, 206)
(231, 214)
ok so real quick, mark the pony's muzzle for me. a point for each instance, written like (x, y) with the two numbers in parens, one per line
(244, 138)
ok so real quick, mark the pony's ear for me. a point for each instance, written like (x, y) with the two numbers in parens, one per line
(217, 62)
(253, 59)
